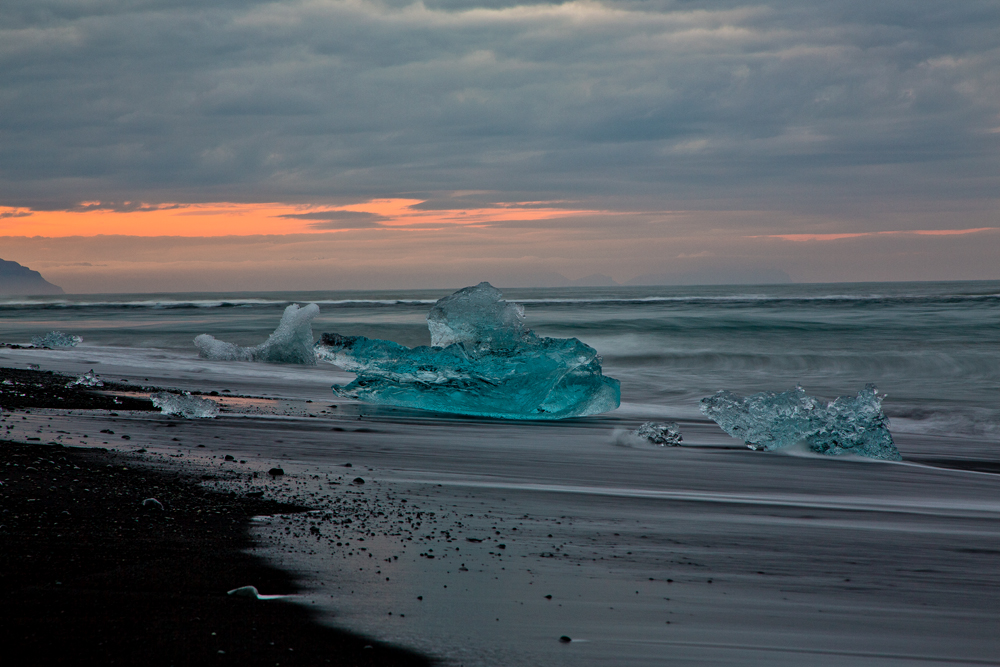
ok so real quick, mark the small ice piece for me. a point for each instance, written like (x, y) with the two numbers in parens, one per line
(185, 405)
(88, 379)
(664, 434)
(245, 592)
(152, 503)
(252, 592)
(768, 421)
(291, 342)
(55, 339)
(482, 361)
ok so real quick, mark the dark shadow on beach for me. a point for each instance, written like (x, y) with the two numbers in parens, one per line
(89, 574)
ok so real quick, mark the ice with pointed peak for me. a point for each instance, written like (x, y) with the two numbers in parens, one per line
(185, 405)
(768, 421)
(477, 316)
(54, 339)
(482, 361)
(88, 379)
(291, 342)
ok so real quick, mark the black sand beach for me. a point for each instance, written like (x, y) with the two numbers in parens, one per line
(91, 575)
(478, 542)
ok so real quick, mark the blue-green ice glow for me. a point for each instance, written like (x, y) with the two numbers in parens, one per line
(481, 361)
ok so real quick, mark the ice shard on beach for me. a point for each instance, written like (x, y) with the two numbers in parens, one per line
(88, 379)
(291, 342)
(482, 361)
(665, 435)
(55, 339)
(185, 405)
(768, 421)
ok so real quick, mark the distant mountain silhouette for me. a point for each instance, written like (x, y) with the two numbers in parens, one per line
(719, 276)
(595, 280)
(17, 279)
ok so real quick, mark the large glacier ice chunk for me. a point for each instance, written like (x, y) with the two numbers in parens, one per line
(291, 342)
(482, 361)
(768, 421)
(185, 405)
(55, 339)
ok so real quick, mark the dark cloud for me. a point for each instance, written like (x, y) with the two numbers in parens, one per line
(119, 207)
(452, 204)
(335, 220)
(802, 104)
(334, 225)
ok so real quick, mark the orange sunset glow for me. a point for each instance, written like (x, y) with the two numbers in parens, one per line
(853, 235)
(232, 219)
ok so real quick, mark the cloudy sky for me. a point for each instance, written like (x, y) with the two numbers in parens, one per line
(323, 144)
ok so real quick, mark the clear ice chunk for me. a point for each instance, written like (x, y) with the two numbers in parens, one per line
(88, 379)
(663, 434)
(478, 317)
(482, 361)
(660, 434)
(291, 342)
(768, 421)
(185, 405)
(54, 339)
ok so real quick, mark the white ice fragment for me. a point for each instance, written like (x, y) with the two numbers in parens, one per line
(185, 405)
(651, 433)
(291, 342)
(56, 339)
(251, 592)
(245, 592)
(88, 379)
(665, 434)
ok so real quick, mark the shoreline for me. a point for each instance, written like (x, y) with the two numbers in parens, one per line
(89, 573)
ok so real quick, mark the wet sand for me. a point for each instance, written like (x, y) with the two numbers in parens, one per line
(702, 554)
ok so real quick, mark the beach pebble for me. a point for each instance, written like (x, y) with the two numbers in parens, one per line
(230, 457)
(359, 480)
(275, 472)
(564, 640)
(152, 503)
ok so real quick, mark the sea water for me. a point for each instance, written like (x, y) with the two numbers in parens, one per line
(933, 348)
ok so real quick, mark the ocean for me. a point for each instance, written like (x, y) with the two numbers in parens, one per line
(483, 542)
(933, 348)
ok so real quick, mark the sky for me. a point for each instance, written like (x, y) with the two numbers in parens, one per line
(200, 145)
